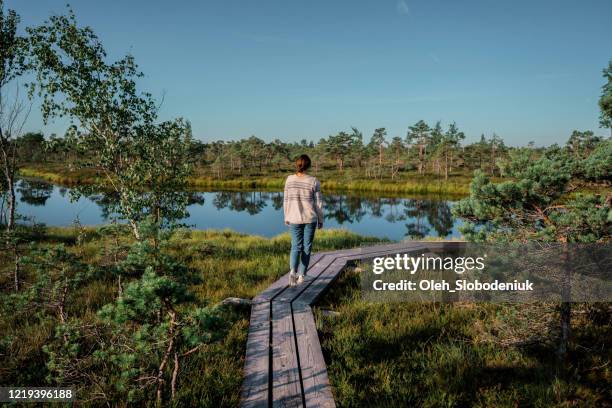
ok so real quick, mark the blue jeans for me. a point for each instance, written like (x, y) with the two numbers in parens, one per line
(302, 236)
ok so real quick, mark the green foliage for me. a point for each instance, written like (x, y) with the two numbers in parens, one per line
(253, 163)
(586, 218)
(598, 165)
(145, 163)
(532, 203)
(419, 135)
(581, 144)
(56, 276)
(13, 49)
(12, 46)
(605, 101)
(527, 207)
(378, 138)
(341, 146)
(113, 341)
(149, 325)
(133, 349)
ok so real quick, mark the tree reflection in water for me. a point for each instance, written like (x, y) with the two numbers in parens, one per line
(109, 201)
(34, 192)
(422, 217)
(277, 201)
(250, 201)
(416, 218)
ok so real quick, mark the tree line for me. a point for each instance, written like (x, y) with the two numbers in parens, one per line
(426, 150)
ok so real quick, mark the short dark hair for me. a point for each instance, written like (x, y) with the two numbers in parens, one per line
(302, 163)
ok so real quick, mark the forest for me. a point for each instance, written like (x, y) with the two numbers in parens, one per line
(132, 312)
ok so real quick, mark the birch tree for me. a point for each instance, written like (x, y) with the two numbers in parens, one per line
(13, 110)
(142, 161)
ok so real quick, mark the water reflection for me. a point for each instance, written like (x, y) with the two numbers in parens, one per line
(256, 212)
(422, 217)
(250, 201)
(109, 201)
(34, 192)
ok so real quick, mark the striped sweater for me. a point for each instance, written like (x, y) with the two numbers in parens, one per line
(302, 200)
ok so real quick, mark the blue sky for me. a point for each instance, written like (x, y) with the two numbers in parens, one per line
(527, 70)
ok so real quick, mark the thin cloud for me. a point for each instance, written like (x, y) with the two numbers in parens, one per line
(402, 8)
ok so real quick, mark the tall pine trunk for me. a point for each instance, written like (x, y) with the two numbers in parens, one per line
(380, 161)
(421, 158)
(446, 166)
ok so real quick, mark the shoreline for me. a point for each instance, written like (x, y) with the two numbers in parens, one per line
(441, 189)
(455, 189)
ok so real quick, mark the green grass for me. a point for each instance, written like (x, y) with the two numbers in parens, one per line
(458, 355)
(350, 180)
(378, 354)
(60, 175)
(229, 264)
(406, 183)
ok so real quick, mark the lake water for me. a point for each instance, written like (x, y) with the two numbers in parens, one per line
(260, 212)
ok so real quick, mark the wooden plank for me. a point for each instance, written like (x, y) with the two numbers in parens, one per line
(445, 246)
(278, 286)
(292, 292)
(281, 284)
(315, 290)
(317, 391)
(286, 386)
(401, 248)
(289, 385)
(257, 362)
(321, 283)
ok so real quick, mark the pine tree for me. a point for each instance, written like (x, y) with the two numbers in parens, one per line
(342, 145)
(531, 206)
(155, 324)
(419, 135)
(397, 150)
(377, 143)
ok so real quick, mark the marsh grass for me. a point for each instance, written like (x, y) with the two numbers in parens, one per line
(227, 263)
(331, 181)
(389, 187)
(459, 355)
(409, 182)
(60, 175)
(386, 355)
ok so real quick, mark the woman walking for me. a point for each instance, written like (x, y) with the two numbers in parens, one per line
(303, 214)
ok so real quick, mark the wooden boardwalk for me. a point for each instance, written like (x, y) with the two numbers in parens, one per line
(284, 364)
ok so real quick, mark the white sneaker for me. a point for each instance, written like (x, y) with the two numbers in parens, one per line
(300, 279)
(292, 278)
